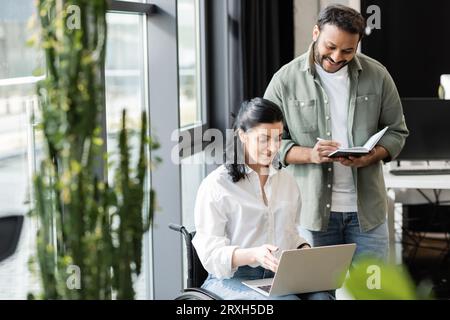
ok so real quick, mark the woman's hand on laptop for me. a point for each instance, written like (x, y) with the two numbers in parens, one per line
(263, 255)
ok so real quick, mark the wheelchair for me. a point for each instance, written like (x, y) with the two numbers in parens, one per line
(196, 273)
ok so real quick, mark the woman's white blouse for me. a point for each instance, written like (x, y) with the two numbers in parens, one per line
(232, 215)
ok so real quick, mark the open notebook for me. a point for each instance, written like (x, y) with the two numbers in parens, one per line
(359, 151)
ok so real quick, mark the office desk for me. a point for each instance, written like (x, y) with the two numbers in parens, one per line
(432, 182)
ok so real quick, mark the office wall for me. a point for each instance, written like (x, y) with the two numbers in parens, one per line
(412, 43)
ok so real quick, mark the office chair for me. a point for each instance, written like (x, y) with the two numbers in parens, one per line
(10, 229)
(196, 273)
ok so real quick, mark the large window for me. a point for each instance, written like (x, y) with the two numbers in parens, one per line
(124, 75)
(141, 74)
(17, 101)
(189, 58)
(126, 89)
(126, 81)
(16, 95)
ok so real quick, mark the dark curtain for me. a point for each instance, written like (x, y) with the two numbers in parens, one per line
(261, 41)
(413, 43)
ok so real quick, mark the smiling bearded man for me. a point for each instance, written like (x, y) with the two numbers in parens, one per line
(343, 97)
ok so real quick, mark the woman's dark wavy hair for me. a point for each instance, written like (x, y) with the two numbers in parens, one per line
(251, 114)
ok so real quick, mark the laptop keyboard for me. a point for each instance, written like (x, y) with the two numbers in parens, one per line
(265, 288)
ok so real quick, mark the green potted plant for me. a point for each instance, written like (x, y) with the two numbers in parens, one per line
(374, 279)
(90, 231)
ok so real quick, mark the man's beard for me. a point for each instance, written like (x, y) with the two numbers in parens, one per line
(320, 59)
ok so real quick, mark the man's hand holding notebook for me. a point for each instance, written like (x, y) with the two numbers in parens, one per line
(359, 151)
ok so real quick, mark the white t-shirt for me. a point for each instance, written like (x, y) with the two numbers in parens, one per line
(337, 87)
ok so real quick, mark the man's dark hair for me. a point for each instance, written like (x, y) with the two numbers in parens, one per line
(344, 18)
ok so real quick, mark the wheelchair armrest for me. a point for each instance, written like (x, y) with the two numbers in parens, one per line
(211, 295)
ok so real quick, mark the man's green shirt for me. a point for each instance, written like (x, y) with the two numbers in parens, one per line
(374, 104)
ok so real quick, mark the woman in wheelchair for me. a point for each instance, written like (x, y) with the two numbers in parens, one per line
(246, 211)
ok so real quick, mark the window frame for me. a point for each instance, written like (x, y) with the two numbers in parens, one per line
(196, 130)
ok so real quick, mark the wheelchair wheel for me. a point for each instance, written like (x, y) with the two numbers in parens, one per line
(197, 294)
(193, 296)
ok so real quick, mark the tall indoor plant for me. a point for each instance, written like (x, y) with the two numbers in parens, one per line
(90, 232)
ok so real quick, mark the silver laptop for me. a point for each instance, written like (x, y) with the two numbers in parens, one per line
(307, 270)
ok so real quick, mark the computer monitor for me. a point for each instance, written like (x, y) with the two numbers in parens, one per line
(428, 121)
